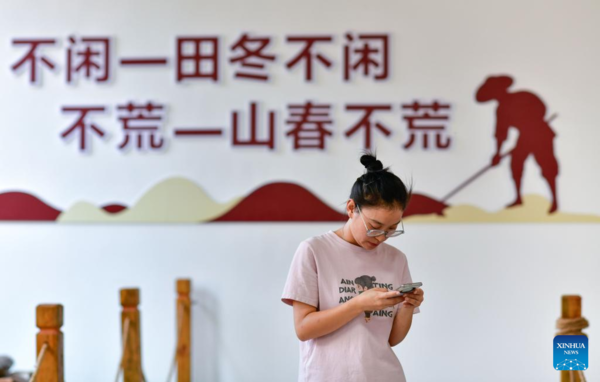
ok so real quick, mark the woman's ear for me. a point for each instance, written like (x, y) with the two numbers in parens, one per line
(350, 208)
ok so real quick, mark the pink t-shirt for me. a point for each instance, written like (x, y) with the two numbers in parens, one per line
(327, 271)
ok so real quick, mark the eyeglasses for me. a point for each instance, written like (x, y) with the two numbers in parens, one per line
(379, 232)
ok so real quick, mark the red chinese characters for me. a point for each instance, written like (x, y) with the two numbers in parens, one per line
(309, 122)
(366, 124)
(141, 126)
(362, 56)
(251, 58)
(83, 126)
(253, 125)
(34, 58)
(367, 54)
(310, 125)
(425, 120)
(308, 55)
(197, 57)
(88, 57)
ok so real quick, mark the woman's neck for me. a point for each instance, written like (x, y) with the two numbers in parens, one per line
(346, 234)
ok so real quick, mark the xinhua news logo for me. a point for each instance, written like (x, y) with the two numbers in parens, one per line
(571, 353)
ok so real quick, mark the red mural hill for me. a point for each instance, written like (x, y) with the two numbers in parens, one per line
(22, 206)
(424, 205)
(281, 202)
(114, 208)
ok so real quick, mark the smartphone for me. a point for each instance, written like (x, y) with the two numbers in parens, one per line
(406, 288)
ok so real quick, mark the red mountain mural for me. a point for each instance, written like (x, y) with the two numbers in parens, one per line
(281, 202)
(114, 208)
(274, 202)
(424, 205)
(22, 206)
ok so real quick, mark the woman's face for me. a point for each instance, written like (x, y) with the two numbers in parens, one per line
(381, 218)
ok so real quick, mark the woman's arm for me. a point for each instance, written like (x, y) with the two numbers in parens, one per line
(401, 325)
(311, 324)
(403, 319)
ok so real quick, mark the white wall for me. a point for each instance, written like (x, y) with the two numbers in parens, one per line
(492, 291)
(492, 296)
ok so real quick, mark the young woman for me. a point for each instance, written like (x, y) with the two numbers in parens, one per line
(341, 285)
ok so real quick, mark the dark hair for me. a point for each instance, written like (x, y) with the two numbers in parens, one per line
(365, 281)
(379, 187)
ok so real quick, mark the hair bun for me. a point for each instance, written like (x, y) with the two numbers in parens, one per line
(371, 163)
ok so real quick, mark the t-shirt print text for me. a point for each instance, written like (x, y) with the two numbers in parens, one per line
(361, 284)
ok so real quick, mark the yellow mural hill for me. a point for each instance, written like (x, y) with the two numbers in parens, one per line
(175, 200)
(533, 210)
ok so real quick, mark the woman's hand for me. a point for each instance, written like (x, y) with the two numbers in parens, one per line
(414, 299)
(377, 299)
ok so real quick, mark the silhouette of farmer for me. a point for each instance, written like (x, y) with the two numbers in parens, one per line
(526, 112)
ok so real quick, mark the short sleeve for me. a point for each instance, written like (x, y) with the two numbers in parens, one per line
(407, 279)
(302, 281)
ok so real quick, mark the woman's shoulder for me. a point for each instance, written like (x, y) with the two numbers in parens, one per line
(313, 247)
(393, 252)
(318, 241)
